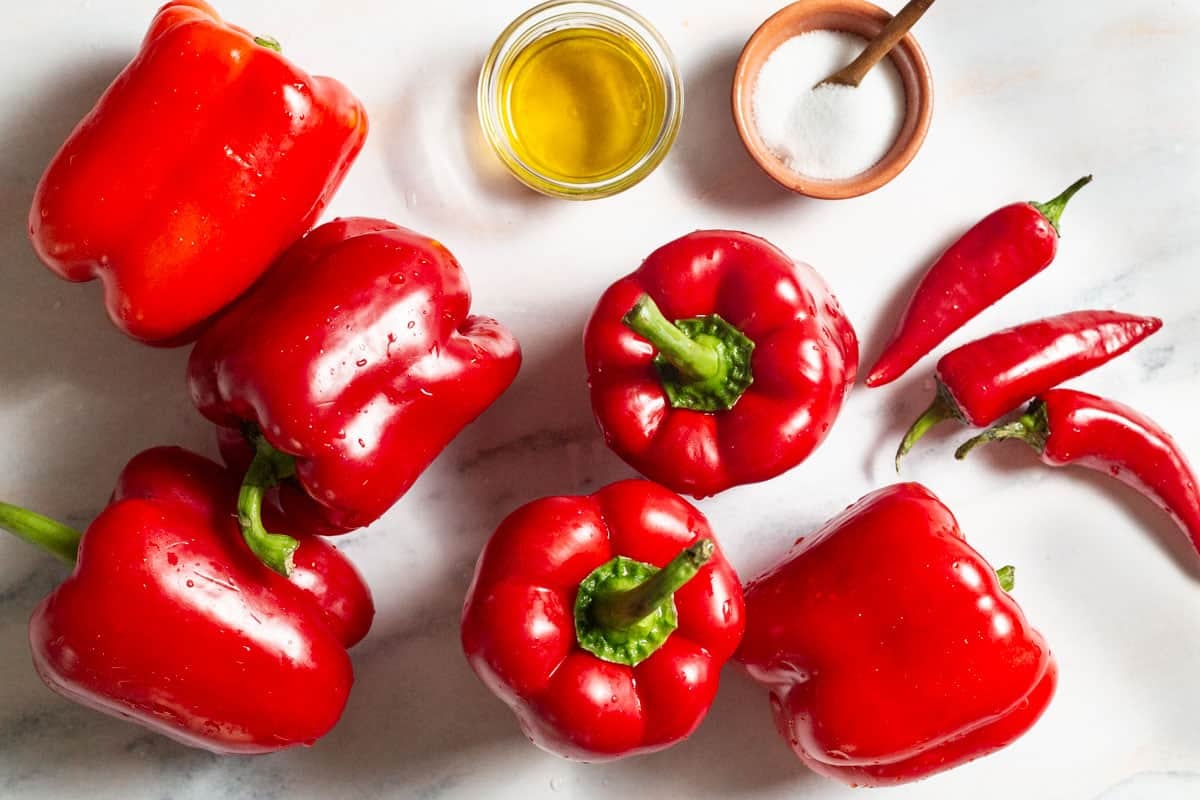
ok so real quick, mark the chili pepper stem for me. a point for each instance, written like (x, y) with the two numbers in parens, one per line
(1013, 430)
(267, 469)
(694, 360)
(940, 410)
(53, 537)
(1031, 428)
(1053, 209)
(622, 610)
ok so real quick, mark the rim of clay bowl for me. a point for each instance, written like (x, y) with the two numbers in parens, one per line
(849, 16)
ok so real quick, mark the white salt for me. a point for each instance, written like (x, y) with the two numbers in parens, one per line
(828, 132)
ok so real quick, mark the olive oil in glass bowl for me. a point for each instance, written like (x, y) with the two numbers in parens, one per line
(580, 99)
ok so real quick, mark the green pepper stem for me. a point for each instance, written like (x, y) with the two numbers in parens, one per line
(940, 410)
(622, 610)
(1013, 430)
(268, 468)
(1032, 428)
(1007, 575)
(53, 537)
(695, 361)
(1053, 209)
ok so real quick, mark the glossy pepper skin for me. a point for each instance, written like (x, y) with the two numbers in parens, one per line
(719, 362)
(203, 161)
(982, 381)
(540, 614)
(1003, 251)
(170, 622)
(1066, 427)
(355, 362)
(889, 647)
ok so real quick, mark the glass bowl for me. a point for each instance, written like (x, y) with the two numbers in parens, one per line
(555, 16)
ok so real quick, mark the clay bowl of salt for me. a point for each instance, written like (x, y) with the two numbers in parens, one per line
(830, 141)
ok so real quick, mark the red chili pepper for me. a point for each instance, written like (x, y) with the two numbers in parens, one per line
(603, 621)
(169, 621)
(206, 158)
(735, 380)
(350, 365)
(980, 382)
(1003, 251)
(1068, 427)
(890, 647)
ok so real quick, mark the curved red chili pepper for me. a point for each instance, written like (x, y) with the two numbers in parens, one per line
(1002, 251)
(738, 377)
(170, 621)
(599, 652)
(982, 381)
(1068, 427)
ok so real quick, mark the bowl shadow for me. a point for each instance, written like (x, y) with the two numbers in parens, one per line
(710, 155)
(440, 161)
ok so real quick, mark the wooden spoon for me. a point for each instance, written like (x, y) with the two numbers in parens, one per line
(853, 73)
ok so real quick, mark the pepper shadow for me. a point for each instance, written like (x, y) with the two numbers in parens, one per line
(417, 718)
(542, 438)
(79, 399)
(538, 439)
(885, 324)
(88, 396)
(441, 163)
(736, 751)
(710, 155)
(1016, 460)
(23, 698)
(906, 399)
(914, 391)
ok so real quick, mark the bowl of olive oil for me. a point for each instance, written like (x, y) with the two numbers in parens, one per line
(580, 98)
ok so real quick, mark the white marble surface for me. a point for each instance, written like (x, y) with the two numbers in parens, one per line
(1030, 96)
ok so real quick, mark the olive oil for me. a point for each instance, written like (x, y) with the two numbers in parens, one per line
(582, 104)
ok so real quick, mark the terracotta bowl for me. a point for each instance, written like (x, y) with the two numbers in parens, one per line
(850, 16)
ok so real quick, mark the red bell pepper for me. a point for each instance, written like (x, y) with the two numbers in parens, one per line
(1067, 427)
(982, 381)
(206, 158)
(603, 621)
(169, 621)
(890, 648)
(719, 362)
(350, 366)
(1003, 251)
